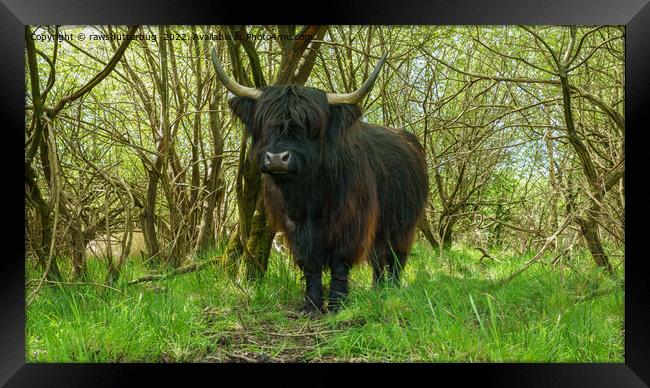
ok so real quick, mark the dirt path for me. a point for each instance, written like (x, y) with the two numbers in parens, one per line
(268, 341)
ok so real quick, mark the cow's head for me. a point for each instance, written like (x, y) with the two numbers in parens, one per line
(292, 126)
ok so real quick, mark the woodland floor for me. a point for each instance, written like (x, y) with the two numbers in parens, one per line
(451, 308)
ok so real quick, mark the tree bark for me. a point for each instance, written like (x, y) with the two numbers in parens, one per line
(425, 228)
(588, 225)
(148, 217)
(445, 231)
(206, 233)
(259, 245)
(43, 211)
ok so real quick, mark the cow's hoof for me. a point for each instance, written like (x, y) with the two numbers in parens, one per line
(309, 310)
(333, 308)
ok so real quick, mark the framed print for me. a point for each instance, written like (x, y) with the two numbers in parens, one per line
(437, 188)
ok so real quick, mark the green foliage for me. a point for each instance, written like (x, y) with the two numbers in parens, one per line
(450, 308)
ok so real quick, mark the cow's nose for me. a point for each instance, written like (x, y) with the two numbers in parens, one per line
(277, 163)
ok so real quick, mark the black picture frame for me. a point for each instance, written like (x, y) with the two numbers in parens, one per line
(14, 14)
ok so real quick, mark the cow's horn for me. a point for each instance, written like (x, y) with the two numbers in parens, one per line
(359, 94)
(230, 84)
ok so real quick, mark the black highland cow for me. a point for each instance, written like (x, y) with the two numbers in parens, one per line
(340, 189)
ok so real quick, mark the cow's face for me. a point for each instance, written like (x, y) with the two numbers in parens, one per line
(287, 151)
(288, 126)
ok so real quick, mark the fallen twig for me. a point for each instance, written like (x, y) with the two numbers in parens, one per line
(306, 334)
(179, 271)
(78, 284)
(485, 254)
(239, 356)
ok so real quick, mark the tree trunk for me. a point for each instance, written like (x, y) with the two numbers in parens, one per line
(589, 229)
(43, 211)
(206, 234)
(148, 218)
(445, 230)
(258, 230)
(446, 236)
(496, 237)
(259, 244)
(78, 244)
(425, 228)
(254, 231)
(248, 181)
(588, 225)
(233, 254)
(553, 221)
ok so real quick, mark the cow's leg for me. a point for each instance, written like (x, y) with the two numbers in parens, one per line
(307, 246)
(314, 290)
(338, 284)
(398, 253)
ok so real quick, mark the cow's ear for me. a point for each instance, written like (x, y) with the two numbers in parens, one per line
(243, 108)
(342, 116)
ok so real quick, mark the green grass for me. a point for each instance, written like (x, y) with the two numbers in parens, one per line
(449, 308)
